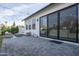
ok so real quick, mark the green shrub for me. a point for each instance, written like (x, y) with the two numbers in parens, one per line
(3, 30)
(14, 29)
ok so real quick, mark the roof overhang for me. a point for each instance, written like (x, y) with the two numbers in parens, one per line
(38, 11)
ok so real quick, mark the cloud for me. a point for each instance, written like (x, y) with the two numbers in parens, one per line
(7, 12)
(13, 11)
(20, 8)
(17, 12)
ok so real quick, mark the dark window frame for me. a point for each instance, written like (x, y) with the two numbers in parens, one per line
(40, 27)
(48, 25)
(59, 21)
(75, 24)
(26, 27)
(29, 27)
(34, 25)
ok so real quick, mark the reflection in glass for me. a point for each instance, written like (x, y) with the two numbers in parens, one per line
(43, 26)
(78, 23)
(52, 25)
(68, 24)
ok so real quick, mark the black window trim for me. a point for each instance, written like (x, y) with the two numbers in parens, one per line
(58, 11)
(40, 25)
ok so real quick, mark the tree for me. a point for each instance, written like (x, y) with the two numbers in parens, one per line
(17, 29)
(14, 24)
(9, 29)
(3, 30)
(14, 29)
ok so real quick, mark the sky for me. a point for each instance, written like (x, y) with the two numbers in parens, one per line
(11, 12)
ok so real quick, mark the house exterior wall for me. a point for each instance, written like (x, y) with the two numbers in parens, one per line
(22, 30)
(48, 10)
(33, 31)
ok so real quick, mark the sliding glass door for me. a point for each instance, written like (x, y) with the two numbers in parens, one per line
(68, 24)
(43, 26)
(61, 24)
(52, 25)
(78, 22)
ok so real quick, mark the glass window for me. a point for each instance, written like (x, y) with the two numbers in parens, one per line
(43, 26)
(78, 22)
(33, 24)
(52, 25)
(68, 24)
(29, 27)
(26, 27)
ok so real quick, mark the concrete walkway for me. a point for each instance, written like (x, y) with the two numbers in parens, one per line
(29, 46)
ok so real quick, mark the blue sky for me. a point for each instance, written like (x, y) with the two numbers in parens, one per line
(11, 12)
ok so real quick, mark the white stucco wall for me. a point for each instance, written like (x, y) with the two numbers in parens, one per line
(45, 11)
(22, 30)
(33, 31)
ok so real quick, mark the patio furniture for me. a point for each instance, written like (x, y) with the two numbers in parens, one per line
(28, 34)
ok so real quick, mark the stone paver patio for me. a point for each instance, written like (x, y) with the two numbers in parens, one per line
(29, 46)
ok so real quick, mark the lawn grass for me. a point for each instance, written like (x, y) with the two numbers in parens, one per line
(1, 40)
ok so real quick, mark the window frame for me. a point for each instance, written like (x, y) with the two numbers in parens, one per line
(40, 26)
(58, 33)
(75, 24)
(26, 27)
(29, 27)
(34, 24)
(48, 25)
